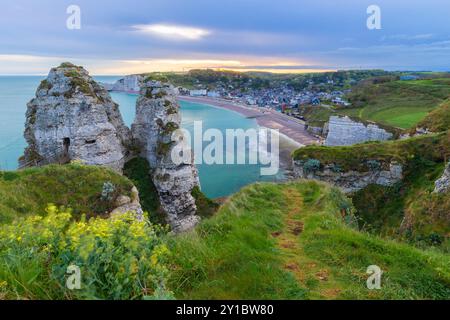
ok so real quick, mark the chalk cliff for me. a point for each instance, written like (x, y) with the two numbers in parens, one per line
(350, 181)
(157, 117)
(73, 118)
(131, 83)
(343, 131)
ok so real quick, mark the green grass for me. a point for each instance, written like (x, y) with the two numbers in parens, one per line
(75, 186)
(316, 116)
(290, 242)
(400, 104)
(400, 117)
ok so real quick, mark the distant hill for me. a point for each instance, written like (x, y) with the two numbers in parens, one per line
(213, 79)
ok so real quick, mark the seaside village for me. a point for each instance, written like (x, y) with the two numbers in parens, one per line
(280, 98)
(283, 98)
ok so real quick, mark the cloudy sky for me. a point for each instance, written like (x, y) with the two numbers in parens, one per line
(121, 37)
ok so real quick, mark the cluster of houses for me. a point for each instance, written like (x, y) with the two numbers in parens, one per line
(274, 98)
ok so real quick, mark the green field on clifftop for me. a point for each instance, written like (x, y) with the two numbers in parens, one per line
(400, 104)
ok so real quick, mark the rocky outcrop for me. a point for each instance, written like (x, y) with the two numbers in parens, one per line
(350, 181)
(157, 117)
(73, 118)
(343, 131)
(443, 184)
(127, 204)
(131, 84)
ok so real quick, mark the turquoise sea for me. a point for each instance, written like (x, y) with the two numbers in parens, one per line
(216, 180)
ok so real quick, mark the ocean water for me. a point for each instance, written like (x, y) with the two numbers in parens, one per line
(216, 180)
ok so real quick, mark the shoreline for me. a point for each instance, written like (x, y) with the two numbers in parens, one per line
(291, 130)
(292, 133)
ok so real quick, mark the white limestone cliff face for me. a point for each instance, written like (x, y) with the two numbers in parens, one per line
(131, 83)
(157, 117)
(351, 181)
(343, 131)
(73, 118)
(443, 184)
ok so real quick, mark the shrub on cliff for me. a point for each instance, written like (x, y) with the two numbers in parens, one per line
(119, 258)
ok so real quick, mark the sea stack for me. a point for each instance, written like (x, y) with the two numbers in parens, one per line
(157, 118)
(73, 118)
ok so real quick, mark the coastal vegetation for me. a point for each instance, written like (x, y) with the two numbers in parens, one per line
(138, 171)
(297, 240)
(430, 147)
(401, 104)
(119, 258)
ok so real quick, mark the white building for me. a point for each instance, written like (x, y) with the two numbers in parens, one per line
(198, 93)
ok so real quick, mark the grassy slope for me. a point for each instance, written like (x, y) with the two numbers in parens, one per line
(316, 116)
(384, 209)
(399, 103)
(289, 242)
(438, 120)
(75, 186)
